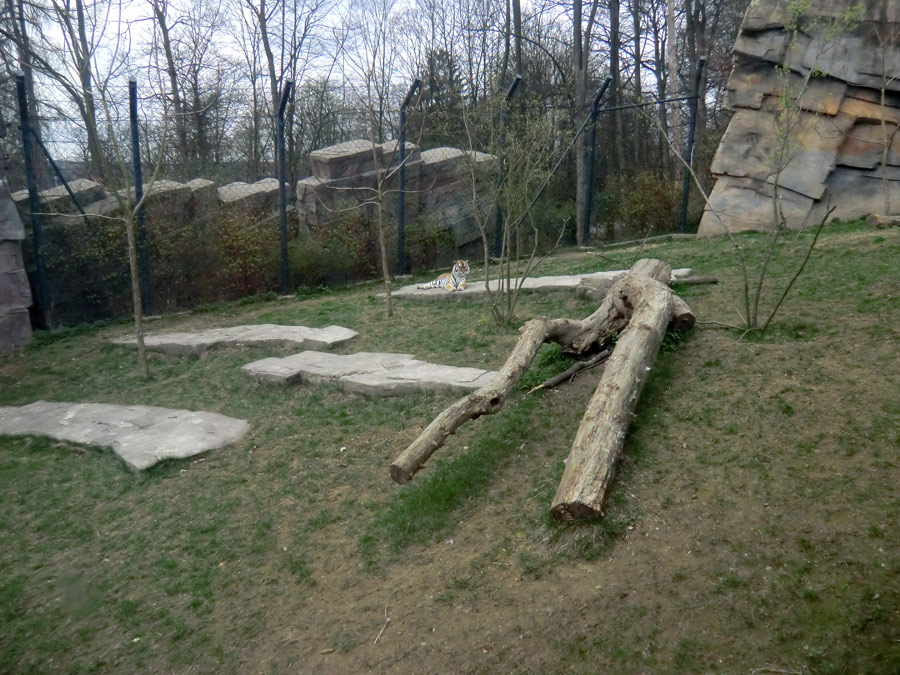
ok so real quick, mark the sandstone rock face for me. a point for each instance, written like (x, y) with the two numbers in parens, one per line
(15, 294)
(824, 147)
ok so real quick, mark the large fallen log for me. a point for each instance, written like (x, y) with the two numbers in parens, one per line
(573, 336)
(601, 435)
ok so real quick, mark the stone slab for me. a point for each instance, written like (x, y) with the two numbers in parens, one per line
(369, 373)
(350, 157)
(260, 193)
(261, 335)
(533, 284)
(140, 435)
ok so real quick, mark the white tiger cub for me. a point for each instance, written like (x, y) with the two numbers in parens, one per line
(454, 280)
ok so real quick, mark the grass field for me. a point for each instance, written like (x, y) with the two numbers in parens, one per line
(752, 528)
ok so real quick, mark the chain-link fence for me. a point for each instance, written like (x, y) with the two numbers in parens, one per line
(436, 179)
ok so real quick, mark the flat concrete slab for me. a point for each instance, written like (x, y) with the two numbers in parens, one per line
(141, 435)
(261, 335)
(532, 284)
(370, 373)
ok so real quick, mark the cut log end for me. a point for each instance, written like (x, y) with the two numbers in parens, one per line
(571, 511)
(399, 475)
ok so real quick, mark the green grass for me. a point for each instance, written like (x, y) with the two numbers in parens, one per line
(752, 522)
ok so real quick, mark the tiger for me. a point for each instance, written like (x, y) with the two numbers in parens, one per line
(454, 280)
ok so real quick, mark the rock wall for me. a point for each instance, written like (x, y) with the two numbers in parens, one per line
(197, 199)
(15, 294)
(438, 183)
(831, 74)
(208, 242)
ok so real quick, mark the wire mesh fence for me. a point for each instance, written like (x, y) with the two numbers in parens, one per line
(433, 180)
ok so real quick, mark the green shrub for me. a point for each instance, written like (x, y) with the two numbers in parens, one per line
(428, 245)
(313, 265)
(335, 253)
(640, 205)
(244, 256)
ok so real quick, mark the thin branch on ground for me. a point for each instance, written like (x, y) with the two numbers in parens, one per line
(570, 372)
(387, 620)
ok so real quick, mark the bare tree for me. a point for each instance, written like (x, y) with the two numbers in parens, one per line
(581, 48)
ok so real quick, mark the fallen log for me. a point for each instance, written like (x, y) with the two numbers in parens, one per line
(572, 335)
(488, 400)
(697, 279)
(591, 463)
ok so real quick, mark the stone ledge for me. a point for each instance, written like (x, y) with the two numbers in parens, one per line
(566, 282)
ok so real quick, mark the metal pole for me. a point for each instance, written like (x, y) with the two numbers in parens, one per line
(143, 257)
(498, 217)
(689, 150)
(402, 264)
(34, 205)
(59, 174)
(282, 192)
(589, 174)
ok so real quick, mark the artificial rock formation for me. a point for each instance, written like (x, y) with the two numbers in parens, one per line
(438, 182)
(15, 294)
(831, 70)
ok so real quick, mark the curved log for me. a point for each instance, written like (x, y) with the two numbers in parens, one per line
(487, 400)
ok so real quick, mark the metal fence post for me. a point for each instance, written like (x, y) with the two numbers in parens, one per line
(402, 264)
(589, 174)
(282, 192)
(60, 176)
(498, 217)
(34, 205)
(689, 150)
(143, 256)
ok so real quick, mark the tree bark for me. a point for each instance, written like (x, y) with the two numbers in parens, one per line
(574, 336)
(591, 463)
(517, 38)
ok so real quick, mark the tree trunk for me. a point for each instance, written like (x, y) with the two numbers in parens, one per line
(23, 47)
(517, 37)
(591, 463)
(617, 140)
(579, 74)
(581, 46)
(83, 60)
(574, 336)
(159, 11)
(640, 136)
(135, 279)
(672, 75)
